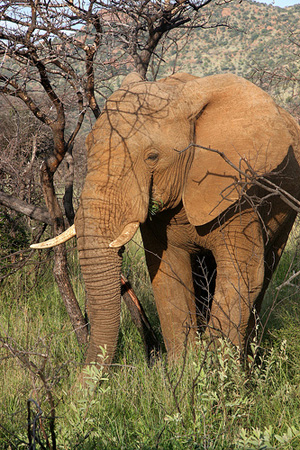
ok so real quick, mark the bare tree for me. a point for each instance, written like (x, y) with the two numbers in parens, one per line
(61, 59)
(142, 25)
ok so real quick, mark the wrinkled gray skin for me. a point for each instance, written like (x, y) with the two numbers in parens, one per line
(140, 153)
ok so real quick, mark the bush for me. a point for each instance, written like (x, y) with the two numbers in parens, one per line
(206, 400)
(14, 237)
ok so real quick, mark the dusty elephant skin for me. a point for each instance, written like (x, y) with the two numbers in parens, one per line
(203, 155)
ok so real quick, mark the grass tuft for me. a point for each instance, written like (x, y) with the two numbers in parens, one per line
(204, 400)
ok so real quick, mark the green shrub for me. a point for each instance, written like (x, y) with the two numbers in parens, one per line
(14, 237)
(206, 400)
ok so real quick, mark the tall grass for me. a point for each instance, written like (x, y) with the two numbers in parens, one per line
(206, 400)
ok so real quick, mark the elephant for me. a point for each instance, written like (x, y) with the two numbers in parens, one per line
(208, 169)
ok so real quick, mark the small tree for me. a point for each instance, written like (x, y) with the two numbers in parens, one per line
(57, 54)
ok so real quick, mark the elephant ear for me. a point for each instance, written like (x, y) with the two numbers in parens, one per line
(177, 78)
(133, 77)
(238, 134)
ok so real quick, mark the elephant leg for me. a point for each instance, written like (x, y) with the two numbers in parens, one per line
(275, 245)
(171, 275)
(238, 249)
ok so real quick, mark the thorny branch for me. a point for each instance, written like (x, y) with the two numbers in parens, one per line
(23, 357)
(251, 178)
(49, 49)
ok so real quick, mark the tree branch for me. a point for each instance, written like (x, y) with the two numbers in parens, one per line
(34, 212)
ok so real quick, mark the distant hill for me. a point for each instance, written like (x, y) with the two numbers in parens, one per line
(259, 39)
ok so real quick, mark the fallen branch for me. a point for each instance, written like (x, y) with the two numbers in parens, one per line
(32, 211)
(151, 343)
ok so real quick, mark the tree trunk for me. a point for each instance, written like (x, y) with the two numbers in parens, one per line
(60, 260)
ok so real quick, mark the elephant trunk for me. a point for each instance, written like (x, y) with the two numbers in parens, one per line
(112, 206)
(101, 270)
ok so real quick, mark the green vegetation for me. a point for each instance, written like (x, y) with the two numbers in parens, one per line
(13, 233)
(208, 400)
(258, 45)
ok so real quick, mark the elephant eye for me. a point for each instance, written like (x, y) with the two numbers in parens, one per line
(152, 157)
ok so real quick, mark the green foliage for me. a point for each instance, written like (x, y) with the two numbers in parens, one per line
(154, 207)
(258, 42)
(282, 296)
(13, 233)
(205, 400)
(267, 439)
(14, 237)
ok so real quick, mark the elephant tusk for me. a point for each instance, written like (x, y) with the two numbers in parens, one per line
(127, 234)
(63, 237)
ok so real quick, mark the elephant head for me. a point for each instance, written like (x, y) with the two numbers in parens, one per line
(187, 145)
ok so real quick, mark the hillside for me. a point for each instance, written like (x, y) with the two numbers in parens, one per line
(257, 42)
